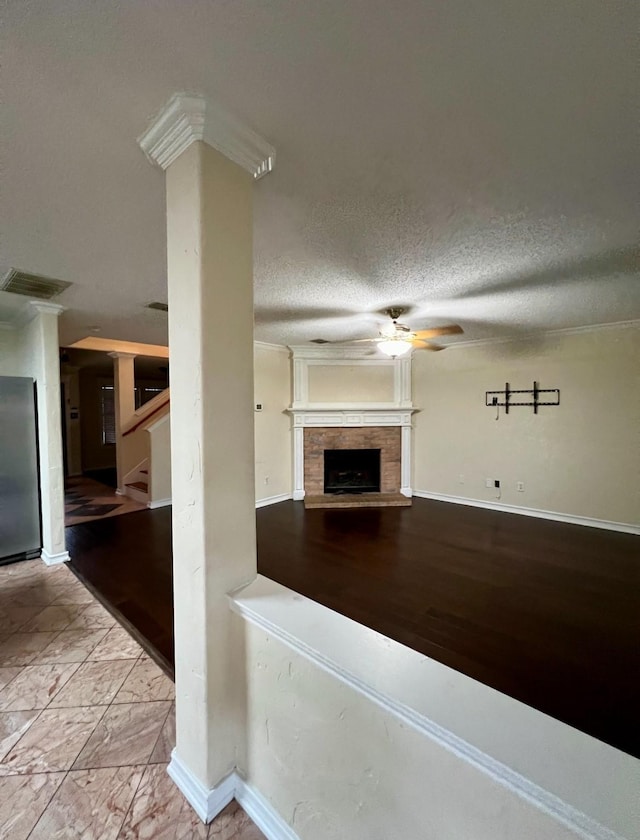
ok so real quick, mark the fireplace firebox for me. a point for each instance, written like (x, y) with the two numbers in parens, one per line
(351, 470)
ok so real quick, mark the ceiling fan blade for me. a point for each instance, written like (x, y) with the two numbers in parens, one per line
(434, 332)
(420, 344)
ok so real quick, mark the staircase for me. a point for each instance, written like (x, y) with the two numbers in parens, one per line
(137, 483)
(145, 453)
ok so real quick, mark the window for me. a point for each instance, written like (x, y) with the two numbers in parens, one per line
(108, 414)
(144, 393)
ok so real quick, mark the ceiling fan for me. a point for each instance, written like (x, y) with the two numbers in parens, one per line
(396, 339)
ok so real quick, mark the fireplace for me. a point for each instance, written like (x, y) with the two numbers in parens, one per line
(351, 470)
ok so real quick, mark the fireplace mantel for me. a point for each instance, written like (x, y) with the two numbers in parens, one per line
(307, 414)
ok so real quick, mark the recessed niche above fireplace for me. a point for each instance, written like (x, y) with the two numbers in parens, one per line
(351, 470)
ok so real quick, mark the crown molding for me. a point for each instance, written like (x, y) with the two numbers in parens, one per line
(187, 118)
(44, 306)
(332, 351)
(276, 348)
(587, 328)
(119, 354)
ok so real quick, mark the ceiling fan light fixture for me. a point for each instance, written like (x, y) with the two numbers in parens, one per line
(394, 347)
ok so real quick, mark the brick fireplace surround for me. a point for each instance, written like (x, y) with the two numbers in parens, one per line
(385, 438)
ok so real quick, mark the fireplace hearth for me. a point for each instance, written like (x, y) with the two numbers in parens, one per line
(351, 471)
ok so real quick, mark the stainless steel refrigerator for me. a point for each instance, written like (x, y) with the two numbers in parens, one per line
(20, 532)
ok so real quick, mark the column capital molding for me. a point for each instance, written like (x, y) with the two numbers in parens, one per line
(45, 306)
(187, 118)
(117, 354)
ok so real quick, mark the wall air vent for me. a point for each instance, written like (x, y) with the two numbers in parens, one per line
(32, 285)
(320, 341)
(162, 307)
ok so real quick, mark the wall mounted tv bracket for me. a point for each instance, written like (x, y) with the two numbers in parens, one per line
(505, 399)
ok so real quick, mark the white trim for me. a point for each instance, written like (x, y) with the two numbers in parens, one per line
(347, 352)
(45, 306)
(254, 611)
(298, 463)
(587, 328)
(351, 417)
(606, 524)
(159, 503)
(120, 354)
(54, 559)
(187, 118)
(262, 812)
(278, 348)
(273, 500)
(206, 802)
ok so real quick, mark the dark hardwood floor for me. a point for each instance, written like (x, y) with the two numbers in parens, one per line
(545, 612)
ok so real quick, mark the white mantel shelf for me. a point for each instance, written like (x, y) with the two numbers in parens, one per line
(370, 416)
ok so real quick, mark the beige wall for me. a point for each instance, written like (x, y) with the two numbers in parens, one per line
(272, 388)
(10, 353)
(335, 765)
(581, 458)
(160, 451)
(332, 383)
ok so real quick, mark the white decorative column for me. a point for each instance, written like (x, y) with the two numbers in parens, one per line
(124, 385)
(211, 162)
(298, 460)
(43, 363)
(405, 461)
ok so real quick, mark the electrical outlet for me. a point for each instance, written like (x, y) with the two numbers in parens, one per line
(461, 479)
(520, 486)
(488, 482)
(496, 483)
(266, 479)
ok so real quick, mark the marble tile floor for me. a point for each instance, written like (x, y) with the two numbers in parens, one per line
(86, 499)
(87, 723)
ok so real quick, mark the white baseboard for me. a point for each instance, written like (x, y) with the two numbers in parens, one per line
(624, 527)
(262, 812)
(298, 495)
(159, 503)
(273, 500)
(209, 803)
(54, 559)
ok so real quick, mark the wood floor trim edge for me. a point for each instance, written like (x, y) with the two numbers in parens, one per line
(159, 503)
(606, 524)
(273, 500)
(583, 825)
(54, 559)
(208, 803)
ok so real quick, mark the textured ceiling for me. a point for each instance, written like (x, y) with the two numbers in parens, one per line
(477, 162)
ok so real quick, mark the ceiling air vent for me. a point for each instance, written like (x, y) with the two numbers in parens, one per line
(32, 285)
(162, 307)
